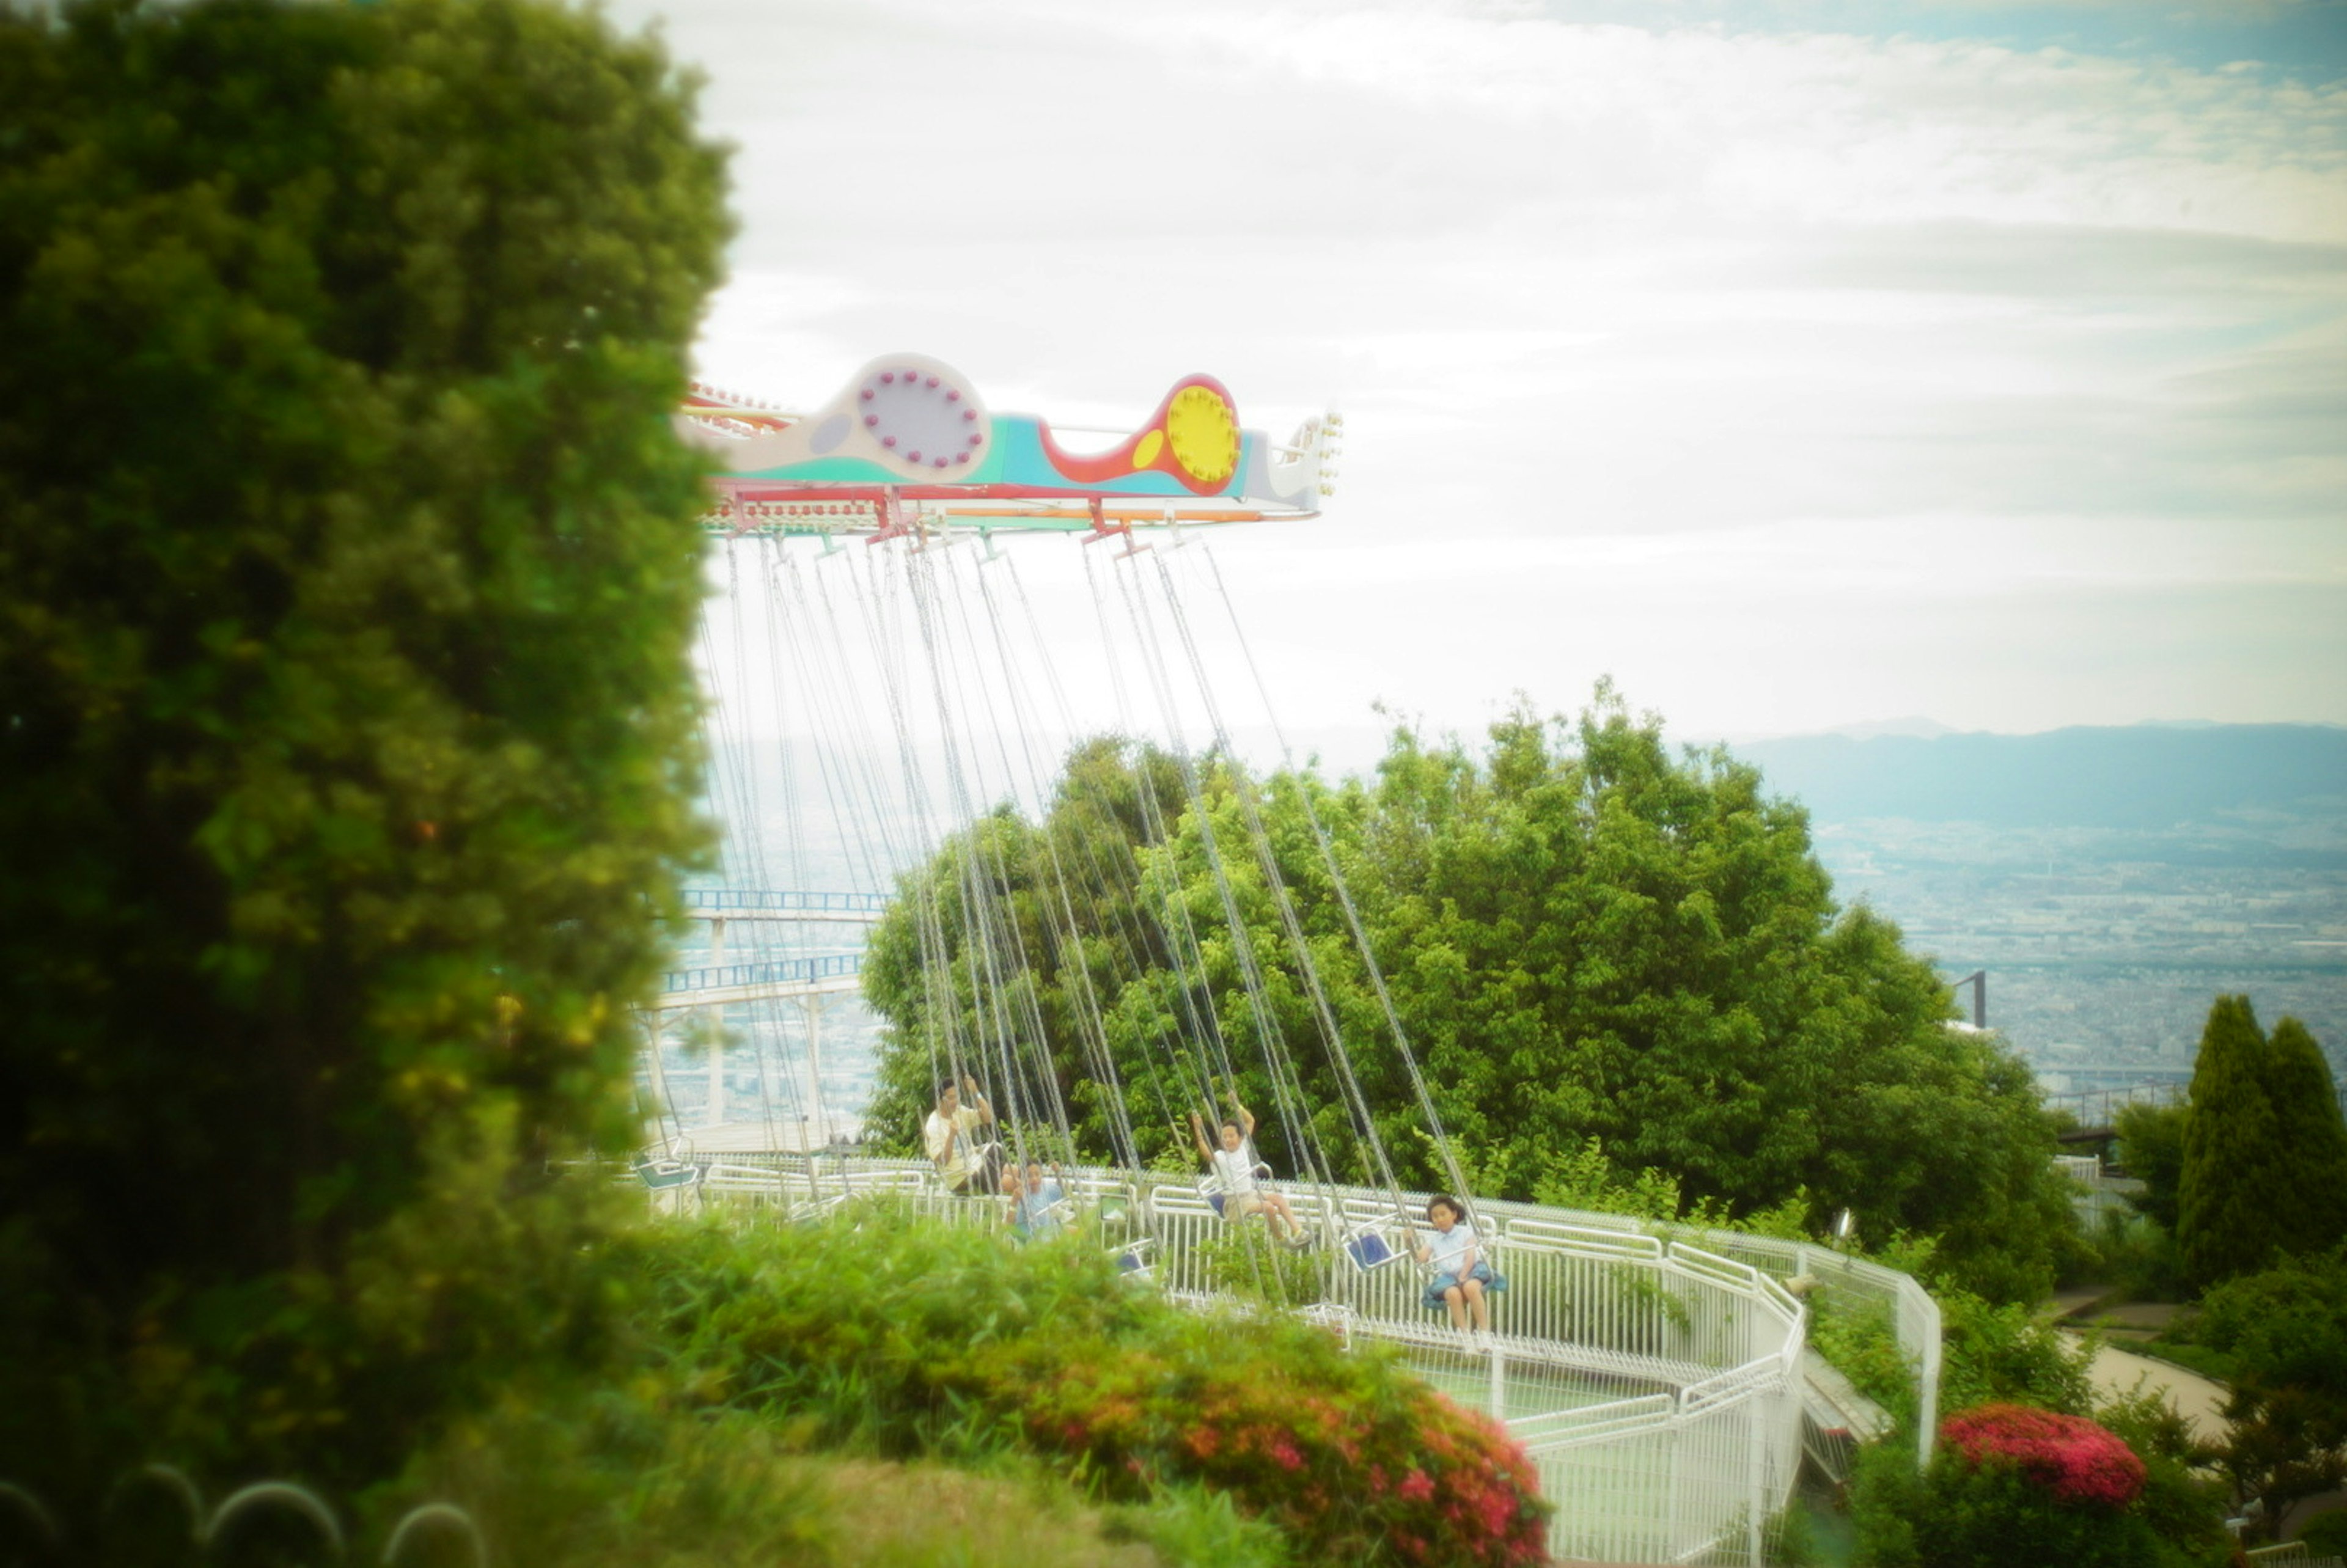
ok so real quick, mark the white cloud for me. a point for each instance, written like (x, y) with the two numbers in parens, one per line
(1834, 337)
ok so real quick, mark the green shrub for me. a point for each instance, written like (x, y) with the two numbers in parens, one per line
(2134, 1254)
(612, 1478)
(1995, 1516)
(1245, 1263)
(2217, 1365)
(1861, 1339)
(2008, 1354)
(2183, 1508)
(2010, 1487)
(2327, 1535)
(2151, 1147)
(901, 1337)
(1201, 1524)
(2285, 1324)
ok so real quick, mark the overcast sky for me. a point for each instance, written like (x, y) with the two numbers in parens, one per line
(1799, 365)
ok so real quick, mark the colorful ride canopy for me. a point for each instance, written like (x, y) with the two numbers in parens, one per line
(908, 445)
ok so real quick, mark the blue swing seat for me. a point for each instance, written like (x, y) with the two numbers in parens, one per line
(1431, 1299)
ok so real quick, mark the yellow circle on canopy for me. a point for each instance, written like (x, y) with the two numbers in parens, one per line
(1146, 453)
(1205, 434)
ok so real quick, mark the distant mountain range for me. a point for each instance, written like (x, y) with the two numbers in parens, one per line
(2139, 777)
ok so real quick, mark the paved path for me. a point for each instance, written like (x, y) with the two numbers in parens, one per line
(2199, 1399)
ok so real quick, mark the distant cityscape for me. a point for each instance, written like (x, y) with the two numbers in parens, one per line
(2102, 964)
(2111, 881)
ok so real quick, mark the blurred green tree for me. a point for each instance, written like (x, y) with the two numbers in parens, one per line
(2151, 1146)
(2311, 1134)
(2285, 1329)
(2228, 1219)
(348, 568)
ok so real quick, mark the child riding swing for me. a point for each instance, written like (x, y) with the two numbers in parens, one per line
(1235, 1166)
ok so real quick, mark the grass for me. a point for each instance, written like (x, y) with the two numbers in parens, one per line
(616, 1482)
(905, 1515)
(2201, 1358)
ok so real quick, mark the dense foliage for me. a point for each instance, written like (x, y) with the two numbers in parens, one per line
(347, 574)
(2009, 1485)
(2009, 1354)
(2251, 1175)
(2227, 1219)
(2284, 1325)
(952, 1342)
(2283, 1333)
(2263, 1120)
(2071, 1457)
(2183, 1500)
(2312, 1132)
(2151, 1148)
(1585, 938)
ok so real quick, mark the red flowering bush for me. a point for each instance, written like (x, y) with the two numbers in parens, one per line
(1350, 1456)
(2070, 1456)
(2011, 1485)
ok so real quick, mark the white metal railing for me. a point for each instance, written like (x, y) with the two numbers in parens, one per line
(1829, 1273)
(2293, 1555)
(738, 903)
(2086, 1169)
(1666, 1363)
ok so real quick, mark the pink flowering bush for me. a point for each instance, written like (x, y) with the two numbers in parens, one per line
(2073, 1457)
(2010, 1486)
(1353, 1460)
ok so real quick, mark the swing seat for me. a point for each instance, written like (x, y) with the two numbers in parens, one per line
(1431, 1299)
(1133, 1262)
(659, 1175)
(810, 1211)
(1211, 1189)
(1369, 1241)
(1054, 1220)
(1109, 1201)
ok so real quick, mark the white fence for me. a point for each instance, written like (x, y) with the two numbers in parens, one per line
(1654, 1379)
(1829, 1274)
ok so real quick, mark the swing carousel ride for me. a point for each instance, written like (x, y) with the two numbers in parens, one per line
(866, 703)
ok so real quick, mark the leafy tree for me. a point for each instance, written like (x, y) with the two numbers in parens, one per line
(2151, 1145)
(2184, 1505)
(2297, 1102)
(2227, 1219)
(347, 573)
(2284, 1444)
(2282, 1333)
(2326, 1535)
(2285, 1324)
(2009, 1354)
(2310, 1135)
(1058, 909)
(1583, 937)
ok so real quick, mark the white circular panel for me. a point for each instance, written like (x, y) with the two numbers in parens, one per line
(919, 417)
